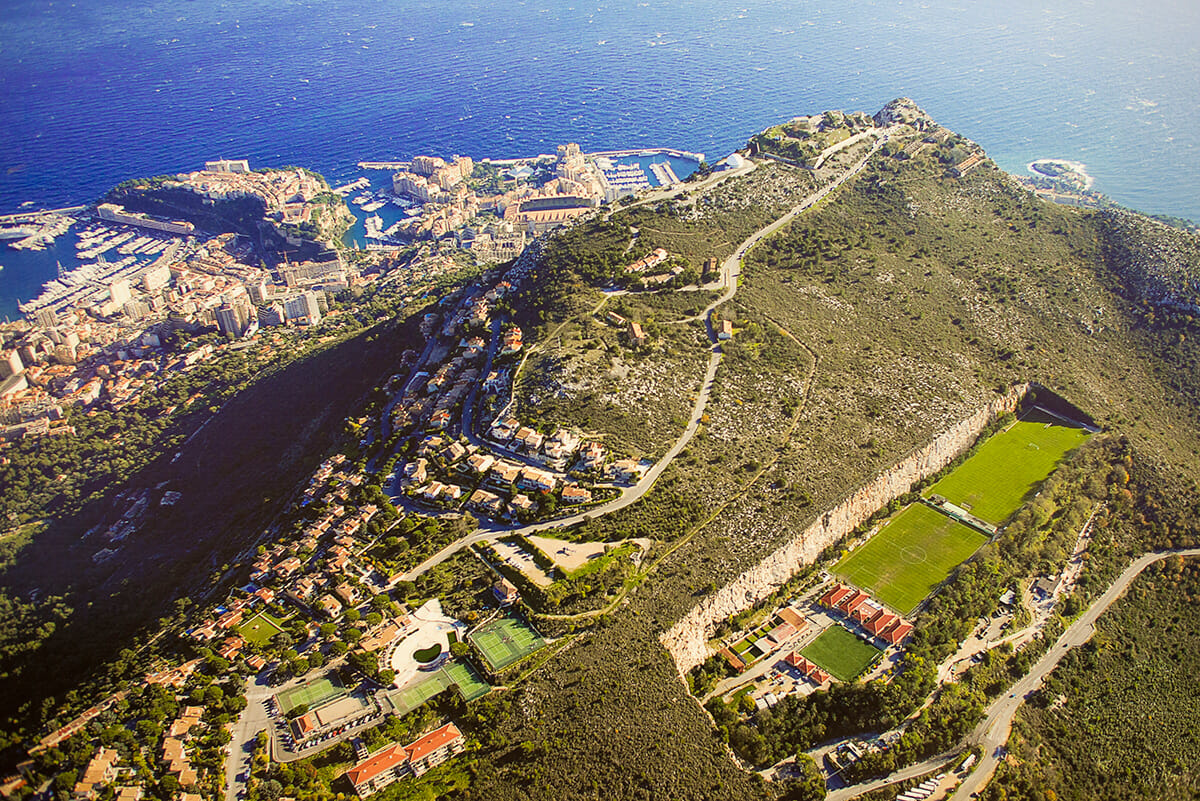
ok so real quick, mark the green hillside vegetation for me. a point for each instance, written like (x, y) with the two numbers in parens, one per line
(896, 307)
(1117, 717)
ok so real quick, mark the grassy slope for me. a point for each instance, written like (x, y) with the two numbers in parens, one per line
(926, 296)
(994, 482)
(906, 345)
(913, 553)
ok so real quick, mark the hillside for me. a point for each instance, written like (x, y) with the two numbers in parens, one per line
(919, 294)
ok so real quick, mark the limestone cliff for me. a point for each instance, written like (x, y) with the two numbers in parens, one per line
(687, 640)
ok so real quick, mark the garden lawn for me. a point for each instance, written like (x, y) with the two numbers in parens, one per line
(259, 629)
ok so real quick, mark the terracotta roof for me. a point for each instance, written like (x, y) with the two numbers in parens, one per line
(433, 741)
(848, 605)
(834, 595)
(793, 618)
(372, 766)
(898, 633)
(880, 623)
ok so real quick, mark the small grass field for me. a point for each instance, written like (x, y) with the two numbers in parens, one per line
(314, 693)
(844, 655)
(910, 556)
(505, 642)
(993, 483)
(259, 629)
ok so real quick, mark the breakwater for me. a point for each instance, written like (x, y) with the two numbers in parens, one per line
(687, 640)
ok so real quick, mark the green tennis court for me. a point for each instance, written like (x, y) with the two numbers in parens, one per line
(409, 698)
(455, 674)
(314, 693)
(469, 685)
(505, 642)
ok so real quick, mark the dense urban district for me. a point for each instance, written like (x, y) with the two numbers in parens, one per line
(847, 466)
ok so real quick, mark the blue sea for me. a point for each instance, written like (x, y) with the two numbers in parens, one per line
(93, 91)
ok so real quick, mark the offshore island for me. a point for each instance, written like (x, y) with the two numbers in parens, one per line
(832, 470)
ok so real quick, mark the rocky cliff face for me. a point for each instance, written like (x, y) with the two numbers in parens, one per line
(687, 640)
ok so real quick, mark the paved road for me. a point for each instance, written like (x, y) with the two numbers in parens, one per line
(992, 733)
(254, 719)
(730, 271)
(904, 774)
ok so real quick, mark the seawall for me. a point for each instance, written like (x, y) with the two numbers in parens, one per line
(687, 640)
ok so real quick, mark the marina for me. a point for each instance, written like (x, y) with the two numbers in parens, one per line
(89, 281)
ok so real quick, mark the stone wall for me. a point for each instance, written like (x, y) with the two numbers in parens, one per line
(687, 640)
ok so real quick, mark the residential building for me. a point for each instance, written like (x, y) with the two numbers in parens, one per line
(487, 502)
(304, 307)
(573, 493)
(505, 592)
(395, 762)
(536, 480)
(98, 773)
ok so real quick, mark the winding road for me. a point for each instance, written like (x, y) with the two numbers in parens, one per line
(730, 272)
(992, 733)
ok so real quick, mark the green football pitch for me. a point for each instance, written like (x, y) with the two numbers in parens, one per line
(505, 641)
(910, 556)
(993, 483)
(844, 655)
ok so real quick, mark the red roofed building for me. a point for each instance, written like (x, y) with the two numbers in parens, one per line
(898, 634)
(435, 748)
(881, 623)
(867, 611)
(835, 596)
(379, 770)
(230, 619)
(396, 762)
(793, 618)
(852, 602)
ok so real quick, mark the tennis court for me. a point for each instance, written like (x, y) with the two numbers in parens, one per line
(313, 693)
(455, 674)
(505, 642)
(412, 696)
(469, 685)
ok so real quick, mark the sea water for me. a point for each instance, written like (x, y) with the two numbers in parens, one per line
(97, 92)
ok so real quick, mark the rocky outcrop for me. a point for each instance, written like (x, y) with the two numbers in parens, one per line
(903, 111)
(687, 640)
